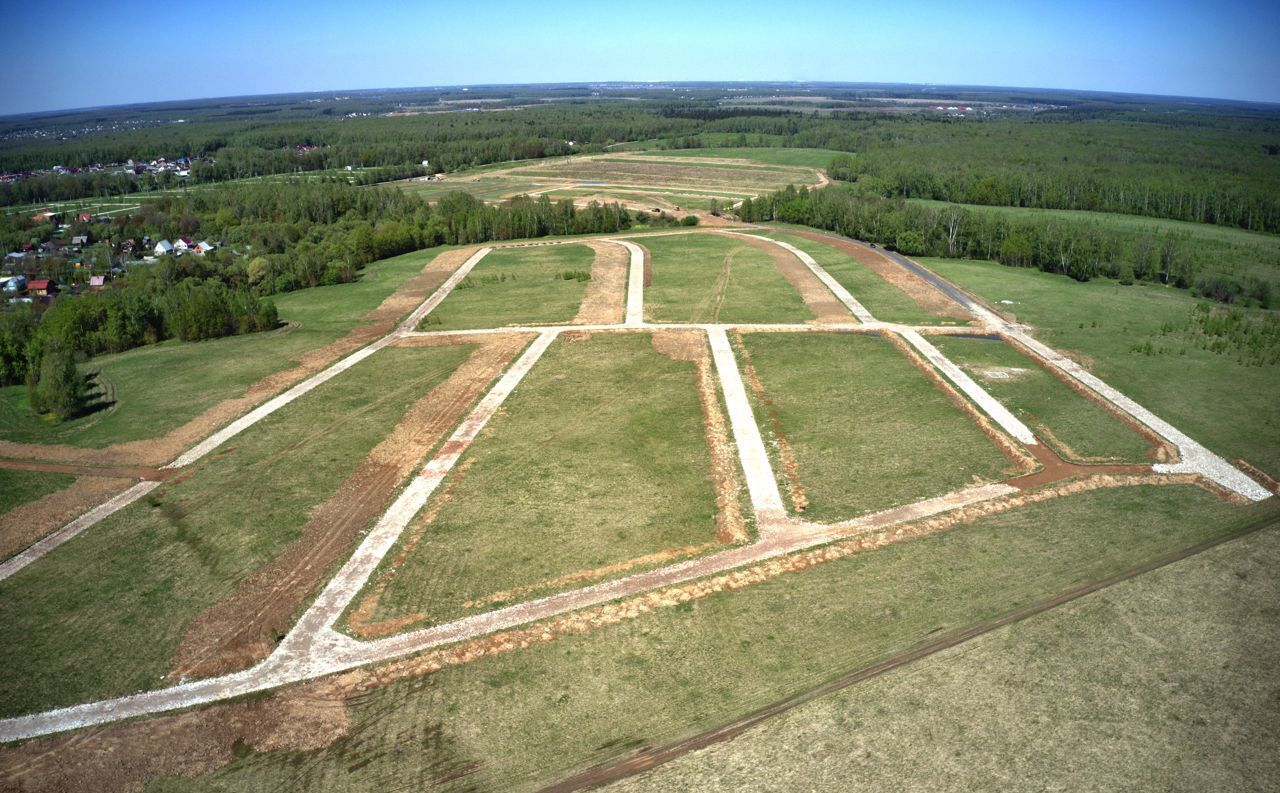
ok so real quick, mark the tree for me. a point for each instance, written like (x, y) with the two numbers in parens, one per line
(60, 388)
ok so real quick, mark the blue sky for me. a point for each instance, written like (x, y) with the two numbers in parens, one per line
(106, 52)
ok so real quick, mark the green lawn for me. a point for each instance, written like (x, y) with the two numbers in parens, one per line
(162, 386)
(712, 278)
(102, 615)
(885, 301)
(1127, 689)
(807, 158)
(868, 429)
(1229, 407)
(517, 286)
(1073, 426)
(525, 719)
(598, 458)
(19, 487)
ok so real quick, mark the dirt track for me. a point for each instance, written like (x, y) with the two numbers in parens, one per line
(158, 451)
(241, 629)
(917, 289)
(606, 296)
(27, 523)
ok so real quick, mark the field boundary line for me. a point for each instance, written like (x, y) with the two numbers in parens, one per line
(430, 304)
(843, 295)
(635, 284)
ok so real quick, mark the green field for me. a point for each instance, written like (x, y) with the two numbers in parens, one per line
(162, 386)
(19, 487)
(517, 286)
(1226, 405)
(597, 459)
(1126, 689)
(525, 719)
(868, 429)
(885, 301)
(1075, 427)
(711, 278)
(102, 615)
(805, 158)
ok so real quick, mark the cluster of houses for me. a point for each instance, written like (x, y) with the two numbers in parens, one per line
(180, 167)
(181, 246)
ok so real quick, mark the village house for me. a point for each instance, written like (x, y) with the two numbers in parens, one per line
(97, 282)
(164, 248)
(42, 287)
(184, 244)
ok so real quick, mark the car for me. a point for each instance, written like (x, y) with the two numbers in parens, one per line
(872, 244)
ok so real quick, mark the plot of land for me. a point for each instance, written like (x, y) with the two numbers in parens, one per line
(527, 718)
(1076, 427)
(854, 427)
(146, 571)
(1119, 334)
(599, 460)
(517, 286)
(713, 278)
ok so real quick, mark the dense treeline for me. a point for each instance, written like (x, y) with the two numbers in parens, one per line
(1185, 166)
(151, 305)
(1081, 251)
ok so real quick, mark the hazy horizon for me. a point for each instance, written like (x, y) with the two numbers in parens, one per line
(139, 51)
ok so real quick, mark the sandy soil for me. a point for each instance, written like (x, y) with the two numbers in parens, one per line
(817, 298)
(158, 451)
(917, 288)
(27, 523)
(605, 300)
(242, 628)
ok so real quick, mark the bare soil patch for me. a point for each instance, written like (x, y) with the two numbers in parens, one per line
(243, 628)
(28, 523)
(817, 297)
(1262, 476)
(691, 345)
(114, 472)
(919, 290)
(158, 451)
(605, 299)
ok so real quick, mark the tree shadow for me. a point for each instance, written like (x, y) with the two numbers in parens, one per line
(98, 396)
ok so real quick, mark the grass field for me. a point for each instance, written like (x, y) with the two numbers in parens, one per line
(514, 286)
(1228, 406)
(866, 429)
(711, 278)
(525, 719)
(600, 457)
(20, 487)
(1218, 248)
(162, 386)
(804, 158)
(886, 302)
(1124, 690)
(1075, 427)
(142, 574)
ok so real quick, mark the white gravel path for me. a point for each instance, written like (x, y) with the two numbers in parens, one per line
(635, 284)
(842, 294)
(762, 485)
(430, 304)
(998, 412)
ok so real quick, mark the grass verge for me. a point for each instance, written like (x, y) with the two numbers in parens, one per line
(512, 286)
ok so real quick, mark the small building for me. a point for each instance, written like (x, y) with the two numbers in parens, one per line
(80, 239)
(184, 244)
(84, 217)
(203, 247)
(14, 285)
(164, 248)
(97, 282)
(42, 287)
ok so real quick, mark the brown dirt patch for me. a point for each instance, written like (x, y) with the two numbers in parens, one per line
(1054, 469)
(918, 289)
(786, 454)
(242, 628)
(691, 345)
(605, 299)
(816, 296)
(1022, 460)
(158, 451)
(129, 472)
(1263, 477)
(30, 522)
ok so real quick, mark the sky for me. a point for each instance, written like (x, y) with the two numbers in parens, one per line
(122, 51)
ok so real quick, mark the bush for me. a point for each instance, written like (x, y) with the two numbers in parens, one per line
(688, 220)
(59, 388)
